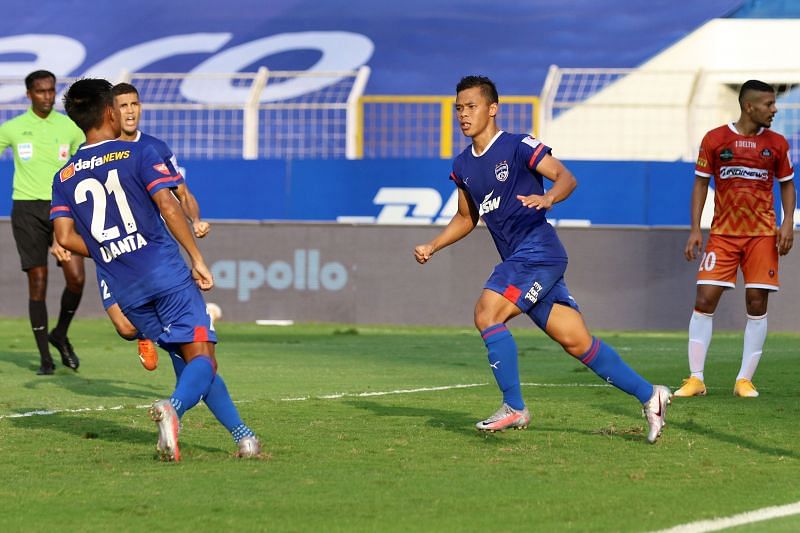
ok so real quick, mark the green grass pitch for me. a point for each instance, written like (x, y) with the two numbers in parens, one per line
(364, 429)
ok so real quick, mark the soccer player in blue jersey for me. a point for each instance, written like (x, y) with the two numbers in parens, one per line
(126, 99)
(111, 203)
(500, 178)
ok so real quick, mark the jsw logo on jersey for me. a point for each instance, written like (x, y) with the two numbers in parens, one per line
(489, 204)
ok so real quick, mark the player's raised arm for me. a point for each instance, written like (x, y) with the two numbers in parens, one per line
(563, 184)
(462, 223)
(695, 242)
(173, 216)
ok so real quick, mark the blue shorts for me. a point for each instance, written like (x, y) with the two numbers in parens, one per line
(532, 286)
(176, 318)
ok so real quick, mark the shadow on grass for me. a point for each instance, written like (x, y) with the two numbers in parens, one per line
(78, 383)
(455, 422)
(90, 427)
(712, 434)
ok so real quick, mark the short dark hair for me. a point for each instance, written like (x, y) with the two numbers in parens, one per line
(754, 85)
(124, 88)
(37, 75)
(488, 89)
(86, 101)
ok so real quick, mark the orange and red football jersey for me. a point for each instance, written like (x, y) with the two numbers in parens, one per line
(744, 169)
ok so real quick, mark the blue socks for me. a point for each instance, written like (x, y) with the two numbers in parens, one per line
(607, 364)
(503, 360)
(193, 384)
(218, 401)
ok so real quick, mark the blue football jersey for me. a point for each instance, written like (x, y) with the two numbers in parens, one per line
(163, 150)
(493, 180)
(106, 189)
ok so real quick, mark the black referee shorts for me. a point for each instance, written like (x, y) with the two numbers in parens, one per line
(33, 231)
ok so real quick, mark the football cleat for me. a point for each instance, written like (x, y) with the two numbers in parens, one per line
(166, 418)
(655, 410)
(148, 354)
(744, 388)
(249, 447)
(68, 357)
(46, 370)
(504, 418)
(691, 386)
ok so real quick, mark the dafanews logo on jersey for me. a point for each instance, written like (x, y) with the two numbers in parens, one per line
(489, 204)
(757, 174)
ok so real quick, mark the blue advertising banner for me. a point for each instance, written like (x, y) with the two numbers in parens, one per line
(414, 191)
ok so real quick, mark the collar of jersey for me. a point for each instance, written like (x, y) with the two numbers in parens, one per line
(732, 126)
(496, 135)
(85, 146)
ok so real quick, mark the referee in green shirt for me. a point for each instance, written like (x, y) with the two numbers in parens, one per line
(42, 141)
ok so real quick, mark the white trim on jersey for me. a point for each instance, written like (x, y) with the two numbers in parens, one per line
(774, 288)
(85, 146)
(496, 135)
(787, 178)
(726, 284)
(732, 126)
(702, 174)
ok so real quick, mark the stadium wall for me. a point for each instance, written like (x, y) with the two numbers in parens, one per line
(623, 278)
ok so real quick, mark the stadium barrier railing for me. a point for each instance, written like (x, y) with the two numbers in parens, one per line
(651, 115)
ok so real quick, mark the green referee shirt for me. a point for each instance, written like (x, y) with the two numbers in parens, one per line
(41, 147)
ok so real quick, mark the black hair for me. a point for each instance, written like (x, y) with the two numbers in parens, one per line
(86, 101)
(754, 85)
(488, 89)
(124, 88)
(37, 75)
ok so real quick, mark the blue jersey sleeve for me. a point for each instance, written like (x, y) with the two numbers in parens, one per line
(531, 151)
(456, 175)
(155, 173)
(58, 204)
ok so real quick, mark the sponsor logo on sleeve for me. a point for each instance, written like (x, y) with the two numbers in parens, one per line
(162, 168)
(67, 172)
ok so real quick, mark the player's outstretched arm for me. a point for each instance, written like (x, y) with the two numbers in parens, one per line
(462, 223)
(695, 242)
(173, 216)
(789, 203)
(563, 184)
(66, 236)
(192, 210)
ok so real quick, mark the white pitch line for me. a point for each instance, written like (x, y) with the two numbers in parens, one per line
(381, 393)
(750, 517)
(334, 396)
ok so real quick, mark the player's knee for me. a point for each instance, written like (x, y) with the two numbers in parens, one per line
(756, 306)
(576, 345)
(485, 318)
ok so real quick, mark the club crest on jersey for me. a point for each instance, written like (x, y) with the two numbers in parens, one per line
(766, 153)
(726, 154)
(501, 171)
(161, 167)
(67, 172)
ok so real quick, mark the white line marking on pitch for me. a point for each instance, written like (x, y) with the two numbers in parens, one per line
(335, 396)
(750, 517)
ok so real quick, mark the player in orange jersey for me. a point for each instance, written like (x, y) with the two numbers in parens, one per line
(744, 158)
